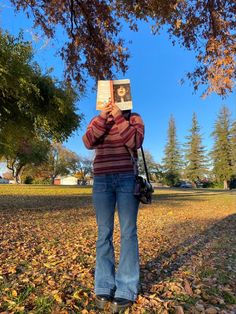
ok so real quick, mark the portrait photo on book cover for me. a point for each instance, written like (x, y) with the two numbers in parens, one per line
(121, 93)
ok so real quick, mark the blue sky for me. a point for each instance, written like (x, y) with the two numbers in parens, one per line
(155, 70)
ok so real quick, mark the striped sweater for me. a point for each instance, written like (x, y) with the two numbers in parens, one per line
(110, 137)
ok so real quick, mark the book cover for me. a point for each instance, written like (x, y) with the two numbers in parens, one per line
(117, 92)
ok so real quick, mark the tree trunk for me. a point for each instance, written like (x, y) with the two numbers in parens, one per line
(11, 166)
(225, 185)
(19, 172)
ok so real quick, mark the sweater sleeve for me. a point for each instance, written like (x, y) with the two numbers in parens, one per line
(132, 131)
(95, 130)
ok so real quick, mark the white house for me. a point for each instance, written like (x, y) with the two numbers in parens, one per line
(69, 180)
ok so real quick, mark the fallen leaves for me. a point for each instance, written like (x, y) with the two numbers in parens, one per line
(188, 288)
(47, 253)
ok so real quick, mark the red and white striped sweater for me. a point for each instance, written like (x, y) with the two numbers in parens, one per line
(110, 137)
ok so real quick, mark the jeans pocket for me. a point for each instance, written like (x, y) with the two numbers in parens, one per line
(99, 187)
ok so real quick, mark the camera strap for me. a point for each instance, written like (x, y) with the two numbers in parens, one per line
(145, 165)
(135, 162)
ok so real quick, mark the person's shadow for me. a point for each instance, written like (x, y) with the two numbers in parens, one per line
(164, 265)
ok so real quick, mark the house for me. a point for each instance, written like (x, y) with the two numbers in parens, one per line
(68, 180)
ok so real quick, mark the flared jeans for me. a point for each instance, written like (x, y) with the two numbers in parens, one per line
(111, 191)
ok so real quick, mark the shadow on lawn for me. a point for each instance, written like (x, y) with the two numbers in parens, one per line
(57, 202)
(168, 262)
(44, 202)
(191, 196)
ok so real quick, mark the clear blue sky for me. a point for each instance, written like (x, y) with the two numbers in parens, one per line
(155, 69)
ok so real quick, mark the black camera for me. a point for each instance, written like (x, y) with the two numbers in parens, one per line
(143, 190)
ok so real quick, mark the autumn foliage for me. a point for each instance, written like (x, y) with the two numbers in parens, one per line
(93, 45)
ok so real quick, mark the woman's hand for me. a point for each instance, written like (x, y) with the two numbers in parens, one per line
(115, 111)
(106, 110)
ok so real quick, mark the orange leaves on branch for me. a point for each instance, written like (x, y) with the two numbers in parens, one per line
(93, 47)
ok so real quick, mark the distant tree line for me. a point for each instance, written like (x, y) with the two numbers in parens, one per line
(191, 161)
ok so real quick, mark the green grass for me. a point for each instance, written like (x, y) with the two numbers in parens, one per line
(186, 298)
(43, 305)
(206, 272)
(28, 190)
(223, 278)
(229, 298)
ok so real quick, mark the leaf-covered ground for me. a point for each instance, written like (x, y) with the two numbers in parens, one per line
(47, 251)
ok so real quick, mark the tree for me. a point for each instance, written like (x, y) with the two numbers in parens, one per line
(7, 175)
(222, 150)
(34, 107)
(30, 98)
(61, 161)
(84, 168)
(233, 137)
(195, 153)
(22, 147)
(172, 159)
(93, 47)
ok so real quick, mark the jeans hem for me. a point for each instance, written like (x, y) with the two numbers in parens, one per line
(126, 295)
(107, 291)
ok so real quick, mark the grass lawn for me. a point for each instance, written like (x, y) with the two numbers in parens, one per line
(187, 241)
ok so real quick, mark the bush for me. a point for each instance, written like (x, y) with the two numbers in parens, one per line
(28, 180)
(217, 185)
(170, 179)
(45, 181)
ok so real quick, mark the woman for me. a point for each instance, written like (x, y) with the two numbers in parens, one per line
(111, 134)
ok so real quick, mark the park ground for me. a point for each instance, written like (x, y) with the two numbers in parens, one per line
(47, 251)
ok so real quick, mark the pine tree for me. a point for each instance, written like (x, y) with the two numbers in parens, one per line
(195, 153)
(172, 159)
(222, 149)
(233, 141)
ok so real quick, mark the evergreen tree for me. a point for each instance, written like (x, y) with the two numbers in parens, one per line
(172, 160)
(222, 149)
(233, 137)
(195, 153)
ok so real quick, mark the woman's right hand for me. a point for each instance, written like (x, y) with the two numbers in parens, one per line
(106, 110)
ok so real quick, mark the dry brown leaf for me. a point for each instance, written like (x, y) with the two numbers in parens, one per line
(187, 287)
(179, 310)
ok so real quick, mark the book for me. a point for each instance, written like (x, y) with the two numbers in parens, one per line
(117, 92)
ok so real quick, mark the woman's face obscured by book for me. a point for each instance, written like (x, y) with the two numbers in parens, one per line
(121, 91)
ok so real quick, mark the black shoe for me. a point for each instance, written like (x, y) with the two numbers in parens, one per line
(102, 299)
(120, 304)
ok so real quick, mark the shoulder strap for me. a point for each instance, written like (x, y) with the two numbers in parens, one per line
(145, 165)
(134, 160)
(135, 163)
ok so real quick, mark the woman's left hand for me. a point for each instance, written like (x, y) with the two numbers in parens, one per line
(115, 111)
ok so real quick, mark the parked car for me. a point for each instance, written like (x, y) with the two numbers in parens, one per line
(4, 181)
(199, 184)
(232, 184)
(185, 185)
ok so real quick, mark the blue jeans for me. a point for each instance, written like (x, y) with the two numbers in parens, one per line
(110, 190)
